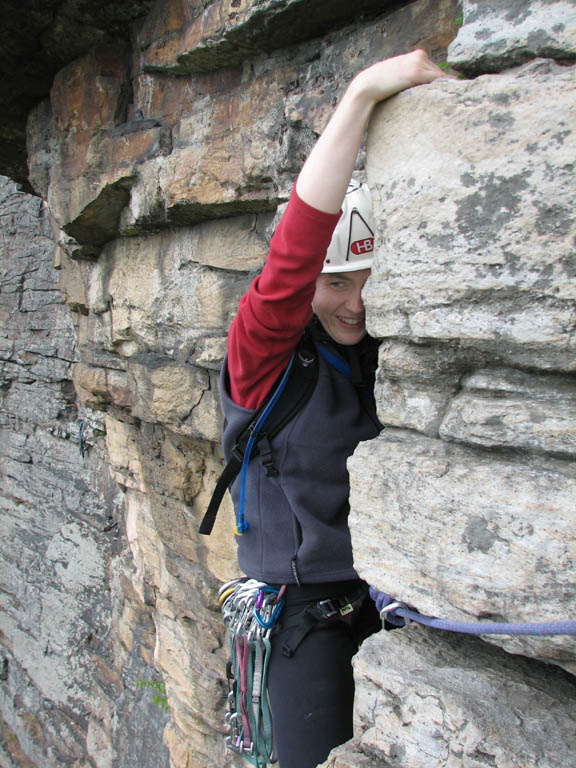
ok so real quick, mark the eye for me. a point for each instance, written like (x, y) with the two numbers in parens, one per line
(338, 284)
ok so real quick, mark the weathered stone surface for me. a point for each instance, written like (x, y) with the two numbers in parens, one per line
(223, 33)
(473, 294)
(171, 576)
(84, 162)
(130, 155)
(168, 480)
(156, 356)
(415, 382)
(173, 468)
(513, 409)
(169, 393)
(37, 40)
(465, 535)
(61, 520)
(427, 700)
(499, 34)
(476, 231)
(429, 388)
(176, 299)
(150, 330)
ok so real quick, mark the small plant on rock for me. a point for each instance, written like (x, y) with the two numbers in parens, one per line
(160, 699)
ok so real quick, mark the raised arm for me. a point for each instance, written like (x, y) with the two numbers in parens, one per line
(275, 311)
(324, 177)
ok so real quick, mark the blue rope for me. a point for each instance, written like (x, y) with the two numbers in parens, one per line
(397, 613)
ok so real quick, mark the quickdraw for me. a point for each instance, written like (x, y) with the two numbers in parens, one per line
(250, 610)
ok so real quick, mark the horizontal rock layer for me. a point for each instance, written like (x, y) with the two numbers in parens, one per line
(500, 33)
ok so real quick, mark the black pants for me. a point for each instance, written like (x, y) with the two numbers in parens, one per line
(312, 692)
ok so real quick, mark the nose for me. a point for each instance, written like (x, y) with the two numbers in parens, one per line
(354, 302)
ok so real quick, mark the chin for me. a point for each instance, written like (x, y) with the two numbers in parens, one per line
(349, 339)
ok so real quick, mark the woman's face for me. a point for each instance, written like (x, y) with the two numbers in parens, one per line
(338, 305)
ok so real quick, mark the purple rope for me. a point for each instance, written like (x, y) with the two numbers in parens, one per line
(400, 613)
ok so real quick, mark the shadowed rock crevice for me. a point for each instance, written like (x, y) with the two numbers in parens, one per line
(36, 40)
(225, 35)
(98, 222)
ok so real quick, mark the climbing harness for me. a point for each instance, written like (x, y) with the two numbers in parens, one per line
(398, 614)
(305, 614)
(250, 610)
(289, 396)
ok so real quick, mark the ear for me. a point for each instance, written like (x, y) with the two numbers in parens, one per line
(319, 280)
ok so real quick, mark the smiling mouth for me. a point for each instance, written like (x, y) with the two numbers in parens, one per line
(351, 323)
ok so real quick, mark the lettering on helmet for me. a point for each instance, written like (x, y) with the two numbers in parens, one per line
(362, 246)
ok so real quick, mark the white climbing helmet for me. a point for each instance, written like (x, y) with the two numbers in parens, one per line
(352, 244)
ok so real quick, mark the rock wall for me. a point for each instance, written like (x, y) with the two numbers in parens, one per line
(163, 161)
(76, 641)
(471, 487)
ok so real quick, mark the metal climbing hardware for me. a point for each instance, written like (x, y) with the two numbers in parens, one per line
(250, 611)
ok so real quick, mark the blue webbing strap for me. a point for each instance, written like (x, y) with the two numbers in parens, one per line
(397, 613)
(367, 392)
(335, 361)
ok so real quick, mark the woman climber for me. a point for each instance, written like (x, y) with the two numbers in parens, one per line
(294, 529)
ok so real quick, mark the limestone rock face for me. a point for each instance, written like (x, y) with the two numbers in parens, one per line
(463, 507)
(476, 245)
(139, 152)
(500, 33)
(432, 700)
(68, 689)
(481, 537)
(165, 153)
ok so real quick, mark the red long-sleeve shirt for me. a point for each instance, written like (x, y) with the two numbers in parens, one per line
(273, 314)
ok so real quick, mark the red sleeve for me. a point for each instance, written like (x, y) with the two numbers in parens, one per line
(273, 314)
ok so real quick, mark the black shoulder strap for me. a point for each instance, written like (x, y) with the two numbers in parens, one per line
(297, 391)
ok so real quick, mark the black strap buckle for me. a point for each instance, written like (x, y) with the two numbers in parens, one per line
(265, 450)
(334, 607)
